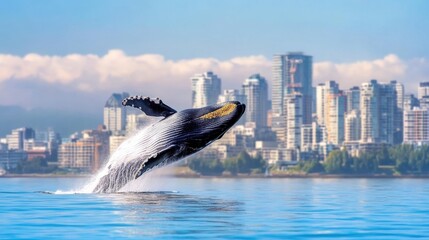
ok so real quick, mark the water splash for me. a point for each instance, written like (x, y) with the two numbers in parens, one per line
(130, 150)
(120, 156)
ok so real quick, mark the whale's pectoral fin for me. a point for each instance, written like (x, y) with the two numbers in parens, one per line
(150, 106)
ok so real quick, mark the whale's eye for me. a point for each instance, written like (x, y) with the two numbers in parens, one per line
(223, 111)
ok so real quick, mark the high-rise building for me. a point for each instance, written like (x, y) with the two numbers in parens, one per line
(294, 119)
(416, 126)
(291, 73)
(369, 102)
(255, 89)
(299, 77)
(115, 115)
(320, 103)
(336, 105)
(352, 126)
(206, 88)
(331, 105)
(388, 109)
(399, 112)
(423, 90)
(330, 92)
(353, 99)
(279, 79)
(378, 103)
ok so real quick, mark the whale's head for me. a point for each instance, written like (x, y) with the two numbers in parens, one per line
(198, 127)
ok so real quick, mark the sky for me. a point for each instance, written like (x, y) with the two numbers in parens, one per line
(74, 54)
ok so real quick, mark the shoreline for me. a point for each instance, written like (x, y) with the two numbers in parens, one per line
(38, 175)
(241, 176)
(315, 176)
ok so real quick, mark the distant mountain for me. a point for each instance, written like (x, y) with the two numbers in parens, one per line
(64, 122)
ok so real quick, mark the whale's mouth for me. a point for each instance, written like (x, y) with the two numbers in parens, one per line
(222, 110)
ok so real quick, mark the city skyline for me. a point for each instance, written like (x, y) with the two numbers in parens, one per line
(44, 79)
(335, 124)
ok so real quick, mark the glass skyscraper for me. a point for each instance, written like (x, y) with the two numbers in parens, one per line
(255, 89)
(292, 73)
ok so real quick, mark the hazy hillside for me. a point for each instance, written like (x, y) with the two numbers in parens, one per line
(63, 122)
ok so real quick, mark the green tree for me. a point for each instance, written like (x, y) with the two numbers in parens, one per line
(231, 165)
(338, 162)
(383, 156)
(36, 165)
(206, 167)
(247, 163)
(312, 167)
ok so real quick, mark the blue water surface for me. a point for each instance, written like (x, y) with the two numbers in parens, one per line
(197, 208)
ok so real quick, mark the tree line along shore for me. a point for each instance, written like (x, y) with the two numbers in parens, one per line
(394, 161)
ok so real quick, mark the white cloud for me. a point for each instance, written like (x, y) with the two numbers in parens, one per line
(152, 74)
(116, 69)
(391, 67)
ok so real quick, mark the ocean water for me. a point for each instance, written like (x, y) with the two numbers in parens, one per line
(198, 208)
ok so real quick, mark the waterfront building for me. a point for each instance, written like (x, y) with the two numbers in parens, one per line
(15, 140)
(82, 155)
(331, 105)
(9, 159)
(255, 89)
(292, 72)
(206, 89)
(294, 120)
(388, 112)
(398, 112)
(369, 101)
(378, 103)
(416, 126)
(335, 105)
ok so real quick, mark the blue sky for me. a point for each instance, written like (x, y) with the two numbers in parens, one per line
(81, 51)
(333, 30)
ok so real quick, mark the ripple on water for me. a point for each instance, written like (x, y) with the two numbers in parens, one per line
(220, 208)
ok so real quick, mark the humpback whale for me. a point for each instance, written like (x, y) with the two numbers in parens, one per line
(175, 136)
